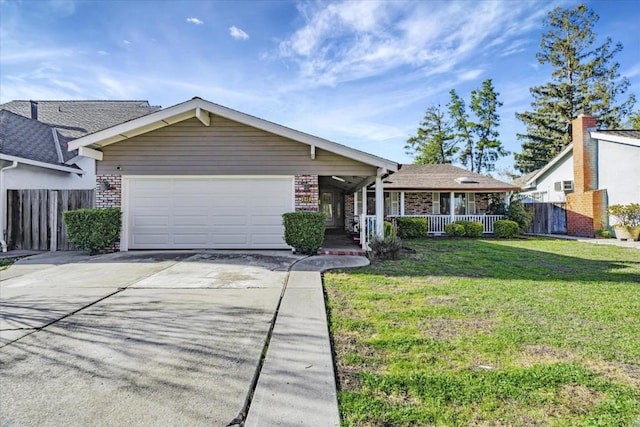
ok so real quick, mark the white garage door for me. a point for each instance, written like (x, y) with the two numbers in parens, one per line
(207, 212)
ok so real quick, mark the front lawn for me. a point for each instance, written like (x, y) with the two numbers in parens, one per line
(490, 332)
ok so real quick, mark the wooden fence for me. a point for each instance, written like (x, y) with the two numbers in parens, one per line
(34, 217)
(548, 218)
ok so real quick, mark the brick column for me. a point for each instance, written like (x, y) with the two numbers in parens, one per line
(306, 193)
(112, 196)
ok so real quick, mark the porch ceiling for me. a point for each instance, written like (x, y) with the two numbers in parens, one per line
(350, 184)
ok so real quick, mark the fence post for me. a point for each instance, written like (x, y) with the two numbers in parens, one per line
(53, 220)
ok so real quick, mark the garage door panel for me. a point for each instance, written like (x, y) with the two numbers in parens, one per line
(151, 220)
(151, 239)
(208, 212)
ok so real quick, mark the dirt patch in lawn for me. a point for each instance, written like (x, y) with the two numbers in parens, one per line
(579, 399)
(616, 371)
(447, 328)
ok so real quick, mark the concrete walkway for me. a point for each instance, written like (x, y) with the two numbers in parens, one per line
(296, 382)
(611, 242)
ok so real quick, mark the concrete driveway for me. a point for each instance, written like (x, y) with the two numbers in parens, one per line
(168, 338)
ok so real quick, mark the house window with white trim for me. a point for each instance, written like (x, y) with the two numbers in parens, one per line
(463, 203)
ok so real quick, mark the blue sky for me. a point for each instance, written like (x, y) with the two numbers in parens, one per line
(359, 73)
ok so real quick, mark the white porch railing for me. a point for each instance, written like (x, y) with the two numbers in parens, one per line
(436, 223)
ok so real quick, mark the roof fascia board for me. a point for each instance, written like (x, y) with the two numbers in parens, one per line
(458, 190)
(601, 136)
(137, 126)
(41, 164)
(549, 165)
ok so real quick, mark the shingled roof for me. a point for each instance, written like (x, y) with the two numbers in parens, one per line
(29, 129)
(74, 119)
(443, 178)
(30, 139)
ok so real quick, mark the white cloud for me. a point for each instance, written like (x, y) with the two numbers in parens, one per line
(237, 33)
(125, 41)
(103, 52)
(195, 21)
(353, 40)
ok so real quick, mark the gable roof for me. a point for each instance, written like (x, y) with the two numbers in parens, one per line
(74, 119)
(441, 178)
(200, 109)
(29, 141)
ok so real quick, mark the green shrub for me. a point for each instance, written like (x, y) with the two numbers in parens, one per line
(454, 230)
(389, 229)
(519, 213)
(412, 228)
(603, 233)
(471, 228)
(93, 230)
(387, 248)
(505, 229)
(304, 231)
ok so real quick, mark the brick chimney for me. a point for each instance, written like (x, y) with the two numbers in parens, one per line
(586, 205)
(585, 154)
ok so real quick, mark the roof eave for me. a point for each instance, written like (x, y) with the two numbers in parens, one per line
(478, 189)
(46, 165)
(603, 136)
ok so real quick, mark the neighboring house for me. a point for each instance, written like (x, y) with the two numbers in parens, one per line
(34, 154)
(441, 193)
(200, 175)
(598, 169)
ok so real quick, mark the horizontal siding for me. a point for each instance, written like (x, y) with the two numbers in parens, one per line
(224, 148)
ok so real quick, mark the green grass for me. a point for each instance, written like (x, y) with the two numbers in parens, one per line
(490, 332)
(6, 263)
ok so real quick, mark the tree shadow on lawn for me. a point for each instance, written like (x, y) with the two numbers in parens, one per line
(533, 260)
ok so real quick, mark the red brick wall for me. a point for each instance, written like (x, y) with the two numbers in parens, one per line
(418, 203)
(306, 200)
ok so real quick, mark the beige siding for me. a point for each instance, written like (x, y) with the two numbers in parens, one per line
(224, 148)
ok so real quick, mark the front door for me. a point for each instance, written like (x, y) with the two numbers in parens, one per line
(331, 205)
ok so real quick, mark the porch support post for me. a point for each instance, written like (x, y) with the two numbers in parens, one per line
(363, 220)
(402, 203)
(379, 206)
(452, 205)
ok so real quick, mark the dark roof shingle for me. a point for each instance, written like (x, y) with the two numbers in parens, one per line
(33, 139)
(78, 118)
(26, 138)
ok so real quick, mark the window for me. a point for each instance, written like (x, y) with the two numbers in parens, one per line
(391, 203)
(463, 203)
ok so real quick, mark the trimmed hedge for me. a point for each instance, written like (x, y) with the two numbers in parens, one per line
(454, 230)
(93, 230)
(304, 231)
(412, 228)
(472, 228)
(506, 229)
(469, 229)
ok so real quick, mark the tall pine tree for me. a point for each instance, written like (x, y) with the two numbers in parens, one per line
(584, 77)
(480, 145)
(435, 141)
